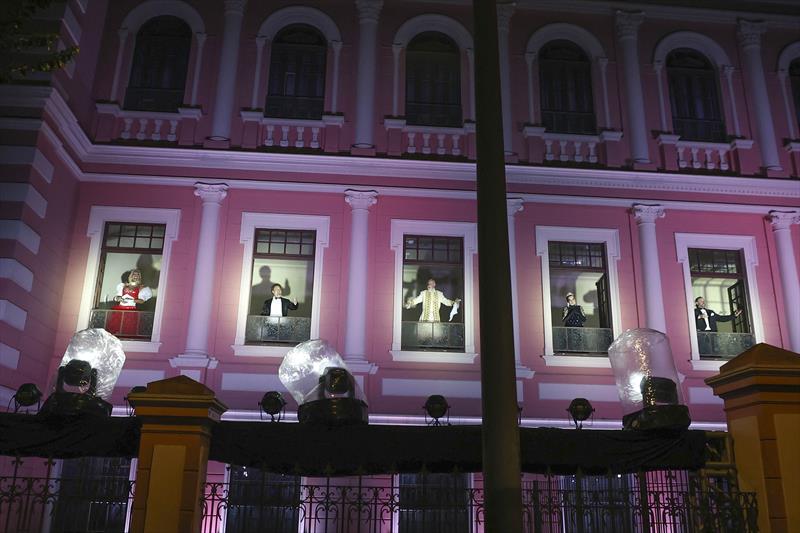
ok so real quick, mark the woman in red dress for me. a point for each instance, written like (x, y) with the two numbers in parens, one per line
(129, 294)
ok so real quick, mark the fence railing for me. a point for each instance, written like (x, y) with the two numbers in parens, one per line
(124, 324)
(446, 336)
(723, 345)
(582, 340)
(674, 501)
(277, 329)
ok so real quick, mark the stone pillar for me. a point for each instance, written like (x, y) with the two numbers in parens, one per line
(627, 26)
(787, 266)
(368, 12)
(761, 390)
(514, 206)
(355, 337)
(177, 417)
(226, 79)
(646, 216)
(200, 306)
(504, 13)
(750, 40)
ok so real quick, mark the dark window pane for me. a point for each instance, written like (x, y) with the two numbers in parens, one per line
(694, 97)
(433, 81)
(565, 86)
(296, 87)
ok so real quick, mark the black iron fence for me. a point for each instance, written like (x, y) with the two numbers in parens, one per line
(136, 325)
(437, 336)
(590, 341)
(723, 345)
(277, 329)
(670, 501)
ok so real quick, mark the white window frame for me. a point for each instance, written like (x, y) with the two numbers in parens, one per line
(607, 236)
(434, 228)
(251, 222)
(98, 217)
(747, 245)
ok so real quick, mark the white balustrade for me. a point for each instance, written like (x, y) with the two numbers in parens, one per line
(567, 147)
(699, 155)
(429, 140)
(292, 133)
(148, 126)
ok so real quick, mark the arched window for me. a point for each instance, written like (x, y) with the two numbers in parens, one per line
(433, 81)
(794, 75)
(297, 74)
(565, 81)
(694, 97)
(160, 62)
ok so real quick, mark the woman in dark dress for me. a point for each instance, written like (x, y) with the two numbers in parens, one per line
(572, 315)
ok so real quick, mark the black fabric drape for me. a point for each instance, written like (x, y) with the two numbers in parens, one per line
(308, 450)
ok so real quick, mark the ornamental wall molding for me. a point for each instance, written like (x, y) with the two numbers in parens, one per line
(71, 136)
(433, 22)
(696, 41)
(299, 15)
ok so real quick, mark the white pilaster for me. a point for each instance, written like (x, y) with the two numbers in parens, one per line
(260, 42)
(504, 13)
(627, 26)
(658, 66)
(200, 41)
(196, 353)
(750, 40)
(396, 49)
(122, 33)
(783, 77)
(790, 284)
(471, 81)
(336, 48)
(728, 71)
(602, 66)
(646, 216)
(368, 13)
(530, 58)
(226, 79)
(355, 339)
(514, 206)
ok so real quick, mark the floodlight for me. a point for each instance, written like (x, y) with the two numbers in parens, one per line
(87, 375)
(27, 394)
(580, 410)
(273, 404)
(436, 407)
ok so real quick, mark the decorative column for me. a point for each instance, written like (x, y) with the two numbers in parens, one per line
(787, 266)
(177, 415)
(368, 12)
(226, 79)
(200, 40)
(355, 338)
(514, 206)
(196, 354)
(646, 216)
(761, 390)
(750, 40)
(504, 13)
(728, 71)
(260, 42)
(627, 26)
(336, 49)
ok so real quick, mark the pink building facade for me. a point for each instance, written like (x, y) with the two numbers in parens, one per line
(653, 157)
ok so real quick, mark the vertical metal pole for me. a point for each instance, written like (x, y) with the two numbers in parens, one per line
(500, 436)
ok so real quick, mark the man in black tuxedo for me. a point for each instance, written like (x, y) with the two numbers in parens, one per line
(278, 305)
(706, 319)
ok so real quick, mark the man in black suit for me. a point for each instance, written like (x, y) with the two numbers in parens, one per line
(278, 305)
(706, 319)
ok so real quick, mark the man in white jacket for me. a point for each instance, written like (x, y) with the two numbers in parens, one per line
(431, 300)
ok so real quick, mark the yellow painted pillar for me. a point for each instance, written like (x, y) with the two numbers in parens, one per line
(177, 417)
(761, 390)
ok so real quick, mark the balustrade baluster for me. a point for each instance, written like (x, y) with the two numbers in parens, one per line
(156, 135)
(299, 142)
(426, 143)
(270, 131)
(126, 132)
(314, 137)
(173, 127)
(142, 133)
(411, 149)
(284, 136)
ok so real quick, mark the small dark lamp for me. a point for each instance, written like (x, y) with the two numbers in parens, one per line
(338, 383)
(27, 395)
(580, 410)
(436, 407)
(658, 391)
(273, 404)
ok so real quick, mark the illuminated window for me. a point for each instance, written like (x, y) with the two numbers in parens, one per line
(433, 289)
(281, 315)
(433, 81)
(565, 77)
(128, 278)
(160, 64)
(296, 86)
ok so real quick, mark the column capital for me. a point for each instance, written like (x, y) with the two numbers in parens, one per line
(627, 24)
(235, 7)
(647, 214)
(750, 32)
(368, 10)
(261, 40)
(360, 199)
(514, 206)
(211, 193)
(504, 14)
(336, 46)
(783, 219)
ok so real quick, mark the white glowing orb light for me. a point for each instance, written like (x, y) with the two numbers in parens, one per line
(636, 354)
(103, 351)
(305, 364)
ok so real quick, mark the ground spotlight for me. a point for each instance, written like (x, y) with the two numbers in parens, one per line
(27, 394)
(580, 410)
(436, 407)
(273, 404)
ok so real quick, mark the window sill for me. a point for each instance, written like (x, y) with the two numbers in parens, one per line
(707, 365)
(249, 350)
(141, 346)
(406, 356)
(577, 361)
